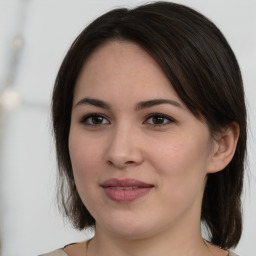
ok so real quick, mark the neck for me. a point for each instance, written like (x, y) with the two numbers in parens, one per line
(166, 243)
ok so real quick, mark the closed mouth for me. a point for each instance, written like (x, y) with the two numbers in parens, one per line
(125, 184)
(125, 190)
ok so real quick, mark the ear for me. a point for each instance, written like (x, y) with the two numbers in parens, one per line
(224, 147)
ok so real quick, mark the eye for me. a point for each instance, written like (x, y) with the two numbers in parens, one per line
(95, 120)
(159, 120)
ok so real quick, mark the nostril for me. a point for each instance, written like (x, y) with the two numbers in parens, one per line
(129, 162)
(109, 162)
(120, 164)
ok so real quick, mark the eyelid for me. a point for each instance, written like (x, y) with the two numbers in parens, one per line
(170, 119)
(167, 119)
(91, 115)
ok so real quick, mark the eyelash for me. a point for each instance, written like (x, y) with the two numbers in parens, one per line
(85, 119)
(167, 119)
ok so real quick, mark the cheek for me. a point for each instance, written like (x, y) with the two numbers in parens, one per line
(84, 157)
(181, 165)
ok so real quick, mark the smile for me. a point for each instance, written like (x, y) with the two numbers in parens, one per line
(126, 190)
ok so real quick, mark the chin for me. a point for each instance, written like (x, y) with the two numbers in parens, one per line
(127, 229)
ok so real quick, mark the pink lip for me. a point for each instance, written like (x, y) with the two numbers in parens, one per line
(125, 190)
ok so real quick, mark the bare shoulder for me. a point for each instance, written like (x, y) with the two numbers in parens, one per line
(78, 249)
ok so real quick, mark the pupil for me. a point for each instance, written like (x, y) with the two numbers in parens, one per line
(158, 120)
(97, 119)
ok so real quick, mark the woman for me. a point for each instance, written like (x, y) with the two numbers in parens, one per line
(150, 126)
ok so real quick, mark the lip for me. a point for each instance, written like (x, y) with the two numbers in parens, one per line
(125, 190)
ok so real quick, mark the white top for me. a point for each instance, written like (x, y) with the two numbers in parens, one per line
(60, 252)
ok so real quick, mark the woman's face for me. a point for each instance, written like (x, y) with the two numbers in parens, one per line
(139, 156)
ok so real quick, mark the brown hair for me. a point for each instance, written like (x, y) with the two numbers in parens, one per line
(203, 70)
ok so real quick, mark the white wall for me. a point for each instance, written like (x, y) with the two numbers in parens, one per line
(30, 223)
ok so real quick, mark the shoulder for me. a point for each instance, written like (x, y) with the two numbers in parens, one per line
(232, 253)
(59, 252)
(78, 249)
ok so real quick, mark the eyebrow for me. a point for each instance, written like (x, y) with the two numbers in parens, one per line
(155, 102)
(93, 102)
(139, 106)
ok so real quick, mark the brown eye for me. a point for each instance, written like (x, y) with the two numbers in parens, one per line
(159, 120)
(94, 120)
(97, 120)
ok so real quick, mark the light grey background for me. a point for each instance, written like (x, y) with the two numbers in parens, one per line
(34, 36)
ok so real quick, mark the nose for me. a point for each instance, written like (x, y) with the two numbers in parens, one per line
(124, 148)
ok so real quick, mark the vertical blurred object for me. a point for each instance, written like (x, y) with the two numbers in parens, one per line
(13, 16)
(9, 99)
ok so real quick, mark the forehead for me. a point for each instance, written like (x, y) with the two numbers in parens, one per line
(120, 66)
(118, 56)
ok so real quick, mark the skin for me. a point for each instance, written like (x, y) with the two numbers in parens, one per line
(174, 156)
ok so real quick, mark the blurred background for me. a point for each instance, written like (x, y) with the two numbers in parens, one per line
(34, 37)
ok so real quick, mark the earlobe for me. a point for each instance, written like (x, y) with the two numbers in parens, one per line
(224, 148)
